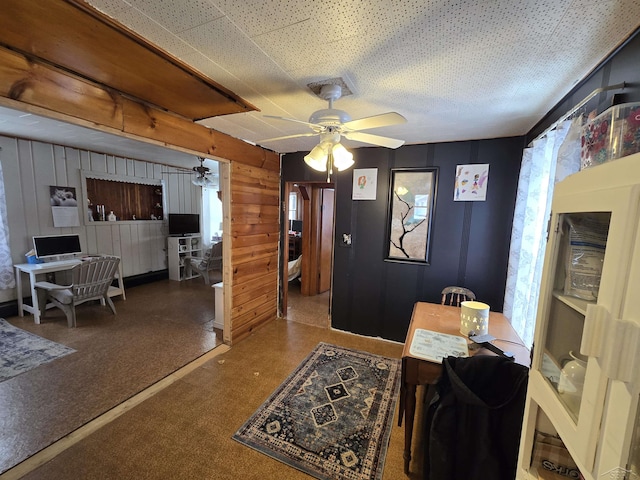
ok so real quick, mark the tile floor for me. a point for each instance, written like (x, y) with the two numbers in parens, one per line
(159, 328)
(181, 431)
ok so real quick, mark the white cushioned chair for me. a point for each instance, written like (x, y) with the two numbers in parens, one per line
(212, 260)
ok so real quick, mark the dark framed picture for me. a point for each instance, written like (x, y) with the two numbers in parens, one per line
(412, 194)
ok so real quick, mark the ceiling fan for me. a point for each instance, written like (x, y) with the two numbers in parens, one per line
(331, 124)
(203, 179)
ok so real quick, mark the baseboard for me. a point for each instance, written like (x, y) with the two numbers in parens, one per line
(9, 309)
(143, 278)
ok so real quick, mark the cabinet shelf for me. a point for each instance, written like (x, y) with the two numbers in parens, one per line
(578, 304)
(178, 249)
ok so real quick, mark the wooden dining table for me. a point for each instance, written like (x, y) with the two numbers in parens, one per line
(420, 371)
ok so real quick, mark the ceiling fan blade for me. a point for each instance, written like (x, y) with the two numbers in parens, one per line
(374, 139)
(382, 120)
(312, 125)
(310, 134)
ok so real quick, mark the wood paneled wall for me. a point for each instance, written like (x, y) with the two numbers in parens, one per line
(254, 215)
(30, 167)
(39, 85)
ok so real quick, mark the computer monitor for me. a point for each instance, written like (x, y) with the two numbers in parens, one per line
(49, 246)
(296, 225)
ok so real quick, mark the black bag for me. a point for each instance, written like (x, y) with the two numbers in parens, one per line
(474, 420)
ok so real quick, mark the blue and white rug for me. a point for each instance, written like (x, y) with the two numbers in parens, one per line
(332, 417)
(21, 351)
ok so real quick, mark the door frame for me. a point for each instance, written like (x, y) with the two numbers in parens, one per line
(283, 284)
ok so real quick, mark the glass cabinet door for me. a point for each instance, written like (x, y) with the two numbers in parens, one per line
(586, 267)
(580, 252)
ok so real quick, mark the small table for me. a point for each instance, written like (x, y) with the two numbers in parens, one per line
(418, 371)
(34, 269)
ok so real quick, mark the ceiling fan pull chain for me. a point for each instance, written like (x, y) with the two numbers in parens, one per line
(329, 166)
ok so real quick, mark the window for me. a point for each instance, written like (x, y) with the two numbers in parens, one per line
(211, 215)
(293, 206)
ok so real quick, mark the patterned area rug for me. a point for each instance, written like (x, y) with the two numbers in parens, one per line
(332, 417)
(21, 351)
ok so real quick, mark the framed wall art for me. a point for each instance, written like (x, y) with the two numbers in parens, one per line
(365, 182)
(412, 195)
(471, 183)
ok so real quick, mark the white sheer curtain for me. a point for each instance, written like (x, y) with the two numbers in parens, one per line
(539, 171)
(7, 278)
(211, 215)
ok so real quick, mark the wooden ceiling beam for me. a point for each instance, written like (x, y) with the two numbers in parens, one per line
(71, 35)
(40, 88)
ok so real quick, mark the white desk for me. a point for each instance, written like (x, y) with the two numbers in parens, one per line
(35, 269)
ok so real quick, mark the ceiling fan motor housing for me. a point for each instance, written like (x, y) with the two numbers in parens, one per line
(330, 123)
(329, 116)
(201, 170)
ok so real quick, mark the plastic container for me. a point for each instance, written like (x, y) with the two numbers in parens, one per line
(613, 134)
(31, 257)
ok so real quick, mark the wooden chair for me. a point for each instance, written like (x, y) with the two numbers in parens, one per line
(90, 280)
(456, 295)
(212, 260)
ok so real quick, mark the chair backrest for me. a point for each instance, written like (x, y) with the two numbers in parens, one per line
(92, 278)
(212, 258)
(456, 295)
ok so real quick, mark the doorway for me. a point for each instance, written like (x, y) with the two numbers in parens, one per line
(308, 252)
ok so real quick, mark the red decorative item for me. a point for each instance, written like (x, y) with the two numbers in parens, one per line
(613, 134)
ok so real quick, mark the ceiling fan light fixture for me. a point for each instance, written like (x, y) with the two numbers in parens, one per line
(317, 158)
(202, 180)
(342, 158)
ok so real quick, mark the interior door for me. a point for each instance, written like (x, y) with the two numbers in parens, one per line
(326, 240)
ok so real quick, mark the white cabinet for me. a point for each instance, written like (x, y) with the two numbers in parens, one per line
(178, 248)
(588, 308)
(218, 322)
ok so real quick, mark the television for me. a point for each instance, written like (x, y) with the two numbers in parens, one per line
(181, 224)
(49, 246)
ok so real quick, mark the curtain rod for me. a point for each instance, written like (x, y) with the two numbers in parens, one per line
(619, 86)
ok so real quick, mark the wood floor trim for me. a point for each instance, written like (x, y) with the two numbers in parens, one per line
(48, 453)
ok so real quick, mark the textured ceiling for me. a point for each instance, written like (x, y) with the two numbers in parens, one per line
(457, 70)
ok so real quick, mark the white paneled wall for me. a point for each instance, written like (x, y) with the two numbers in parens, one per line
(31, 167)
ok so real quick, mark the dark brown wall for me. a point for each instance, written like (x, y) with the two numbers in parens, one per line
(469, 243)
